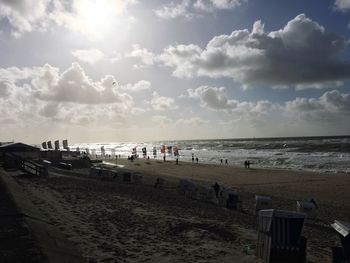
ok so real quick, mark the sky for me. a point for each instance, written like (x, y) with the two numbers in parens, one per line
(132, 70)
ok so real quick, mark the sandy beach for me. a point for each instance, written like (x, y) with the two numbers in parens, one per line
(109, 221)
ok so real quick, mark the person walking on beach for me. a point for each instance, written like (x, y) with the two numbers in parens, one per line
(192, 157)
(177, 160)
(245, 164)
(216, 187)
(197, 160)
(226, 161)
(248, 164)
(221, 161)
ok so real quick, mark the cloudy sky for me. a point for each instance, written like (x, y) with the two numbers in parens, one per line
(132, 70)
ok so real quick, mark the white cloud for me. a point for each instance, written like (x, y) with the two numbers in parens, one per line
(89, 17)
(175, 123)
(73, 85)
(146, 57)
(161, 103)
(49, 110)
(192, 8)
(183, 58)
(194, 121)
(138, 86)
(161, 120)
(211, 5)
(302, 53)
(90, 56)
(215, 99)
(43, 94)
(26, 15)
(212, 97)
(173, 10)
(342, 5)
(332, 107)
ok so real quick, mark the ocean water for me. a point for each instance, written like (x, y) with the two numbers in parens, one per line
(318, 154)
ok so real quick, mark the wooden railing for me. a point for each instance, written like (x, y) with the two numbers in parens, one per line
(24, 165)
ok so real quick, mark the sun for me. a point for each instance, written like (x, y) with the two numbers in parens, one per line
(97, 17)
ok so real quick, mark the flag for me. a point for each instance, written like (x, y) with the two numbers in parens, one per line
(65, 144)
(49, 145)
(57, 145)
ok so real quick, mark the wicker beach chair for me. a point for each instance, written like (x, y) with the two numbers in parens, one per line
(342, 254)
(279, 236)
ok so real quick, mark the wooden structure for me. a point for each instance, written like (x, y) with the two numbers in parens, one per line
(22, 150)
(13, 161)
(279, 236)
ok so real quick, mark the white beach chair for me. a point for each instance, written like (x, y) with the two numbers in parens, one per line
(342, 254)
(279, 236)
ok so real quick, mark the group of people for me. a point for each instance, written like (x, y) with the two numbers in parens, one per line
(197, 160)
(226, 161)
(246, 164)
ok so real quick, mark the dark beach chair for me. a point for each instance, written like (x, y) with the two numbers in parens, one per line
(127, 177)
(279, 236)
(230, 198)
(342, 254)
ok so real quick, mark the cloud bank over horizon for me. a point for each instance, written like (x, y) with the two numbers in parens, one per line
(129, 70)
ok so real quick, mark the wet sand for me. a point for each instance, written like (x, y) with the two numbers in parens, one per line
(109, 221)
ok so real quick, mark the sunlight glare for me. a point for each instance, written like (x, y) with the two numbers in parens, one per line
(97, 17)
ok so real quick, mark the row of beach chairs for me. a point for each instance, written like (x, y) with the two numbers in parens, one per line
(121, 175)
(279, 232)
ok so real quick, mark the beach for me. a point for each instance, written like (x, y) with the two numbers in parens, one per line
(109, 221)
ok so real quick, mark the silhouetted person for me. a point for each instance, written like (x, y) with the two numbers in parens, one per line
(157, 183)
(245, 164)
(164, 158)
(226, 161)
(177, 161)
(221, 161)
(216, 187)
(192, 157)
(248, 164)
(197, 160)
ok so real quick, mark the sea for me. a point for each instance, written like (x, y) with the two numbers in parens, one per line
(317, 154)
